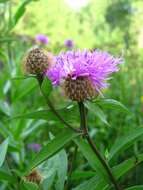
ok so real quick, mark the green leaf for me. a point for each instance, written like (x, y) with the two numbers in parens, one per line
(3, 151)
(91, 157)
(97, 111)
(4, 1)
(41, 114)
(4, 109)
(118, 171)
(23, 77)
(62, 168)
(125, 166)
(88, 184)
(25, 88)
(25, 185)
(47, 182)
(20, 12)
(6, 176)
(7, 39)
(46, 86)
(49, 115)
(76, 175)
(51, 148)
(113, 104)
(55, 166)
(125, 141)
(137, 187)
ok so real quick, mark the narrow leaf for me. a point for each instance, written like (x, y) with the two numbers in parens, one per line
(4, 1)
(3, 151)
(46, 86)
(62, 168)
(48, 114)
(97, 111)
(113, 104)
(124, 142)
(5, 176)
(52, 148)
(25, 88)
(93, 160)
(20, 11)
(137, 187)
(76, 175)
(25, 185)
(118, 171)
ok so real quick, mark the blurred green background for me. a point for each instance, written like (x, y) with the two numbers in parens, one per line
(110, 25)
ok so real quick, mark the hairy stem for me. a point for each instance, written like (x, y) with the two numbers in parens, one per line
(83, 125)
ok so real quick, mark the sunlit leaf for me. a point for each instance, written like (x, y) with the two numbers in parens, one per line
(3, 151)
(4, 1)
(20, 11)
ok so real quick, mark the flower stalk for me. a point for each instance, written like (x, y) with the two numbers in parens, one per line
(50, 105)
(83, 126)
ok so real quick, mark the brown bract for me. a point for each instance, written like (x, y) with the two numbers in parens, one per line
(37, 61)
(34, 177)
(79, 89)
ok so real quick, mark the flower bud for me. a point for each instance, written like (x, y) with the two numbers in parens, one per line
(34, 177)
(37, 61)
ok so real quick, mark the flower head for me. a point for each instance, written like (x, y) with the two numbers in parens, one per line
(42, 39)
(34, 177)
(69, 43)
(37, 61)
(34, 146)
(83, 73)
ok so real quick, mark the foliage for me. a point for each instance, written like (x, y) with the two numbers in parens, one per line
(115, 120)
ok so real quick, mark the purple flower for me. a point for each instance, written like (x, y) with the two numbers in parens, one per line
(42, 39)
(69, 43)
(34, 146)
(96, 66)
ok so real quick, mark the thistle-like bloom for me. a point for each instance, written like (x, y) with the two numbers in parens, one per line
(83, 73)
(42, 39)
(37, 61)
(69, 43)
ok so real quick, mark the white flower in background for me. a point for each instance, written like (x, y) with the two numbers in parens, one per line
(77, 4)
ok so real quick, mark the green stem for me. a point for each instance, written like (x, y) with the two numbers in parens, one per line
(83, 123)
(49, 103)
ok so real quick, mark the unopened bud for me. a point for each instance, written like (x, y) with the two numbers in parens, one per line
(37, 61)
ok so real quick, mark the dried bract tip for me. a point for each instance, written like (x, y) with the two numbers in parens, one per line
(34, 177)
(38, 61)
(79, 89)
